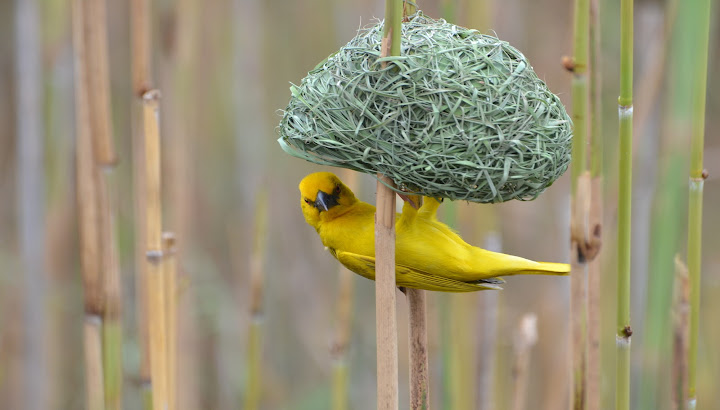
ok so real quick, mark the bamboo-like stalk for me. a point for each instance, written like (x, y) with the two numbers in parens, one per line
(140, 65)
(625, 112)
(580, 201)
(343, 323)
(525, 339)
(31, 201)
(409, 7)
(112, 312)
(154, 268)
(668, 202)
(386, 317)
(89, 220)
(701, 18)
(681, 328)
(99, 81)
(171, 293)
(595, 217)
(98, 99)
(92, 341)
(419, 376)
(254, 386)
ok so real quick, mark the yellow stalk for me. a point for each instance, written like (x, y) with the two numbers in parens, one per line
(154, 268)
(171, 293)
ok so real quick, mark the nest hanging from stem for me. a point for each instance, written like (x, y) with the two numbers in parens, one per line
(459, 115)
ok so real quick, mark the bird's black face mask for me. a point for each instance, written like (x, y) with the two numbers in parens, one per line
(325, 201)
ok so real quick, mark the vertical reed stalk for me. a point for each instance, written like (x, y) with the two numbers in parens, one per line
(156, 303)
(386, 317)
(701, 18)
(253, 389)
(112, 312)
(668, 203)
(141, 62)
(171, 293)
(343, 320)
(31, 200)
(681, 328)
(525, 339)
(92, 341)
(99, 81)
(89, 220)
(98, 98)
(580, 204)
(419, 377)
(625, 113)
(595, 217)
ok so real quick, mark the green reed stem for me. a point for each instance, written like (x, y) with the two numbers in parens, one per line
(701, 17)
(625, 112)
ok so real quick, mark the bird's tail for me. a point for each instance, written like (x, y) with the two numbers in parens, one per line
(500, 264)
(546, 268)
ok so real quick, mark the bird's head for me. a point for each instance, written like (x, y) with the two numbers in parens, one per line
(324, 197)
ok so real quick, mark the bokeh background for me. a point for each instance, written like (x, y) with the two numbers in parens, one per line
(224, 69)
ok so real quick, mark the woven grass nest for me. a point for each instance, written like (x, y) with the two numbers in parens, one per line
(458, 115)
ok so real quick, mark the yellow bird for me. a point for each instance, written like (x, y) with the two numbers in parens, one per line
(428, 254)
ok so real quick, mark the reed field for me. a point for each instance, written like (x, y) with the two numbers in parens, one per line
(153, 252)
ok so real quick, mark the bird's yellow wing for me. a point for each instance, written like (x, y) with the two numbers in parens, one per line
(411, 277)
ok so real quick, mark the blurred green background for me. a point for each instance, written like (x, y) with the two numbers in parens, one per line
(224, 69)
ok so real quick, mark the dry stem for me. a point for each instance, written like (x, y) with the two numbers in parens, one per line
(525, 339)
(140, 39)
(386, 317)
(98, 75)
(171, 292)
(419, 377)
(155, 287)
(92, 341)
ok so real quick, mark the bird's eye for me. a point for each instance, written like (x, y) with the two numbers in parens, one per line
(307, 201)
(337, 189)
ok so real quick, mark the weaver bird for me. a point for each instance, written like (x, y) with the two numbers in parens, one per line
(428, 254)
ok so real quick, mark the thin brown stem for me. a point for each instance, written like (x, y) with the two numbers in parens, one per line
(92, 342)
(525, 339)
(419, 376)
(385, 307)
(140, 65)
(88, 219)
(171, 292)
(98, 81)
(386, 316)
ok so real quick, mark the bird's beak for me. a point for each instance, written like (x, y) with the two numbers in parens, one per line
(325, 201)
